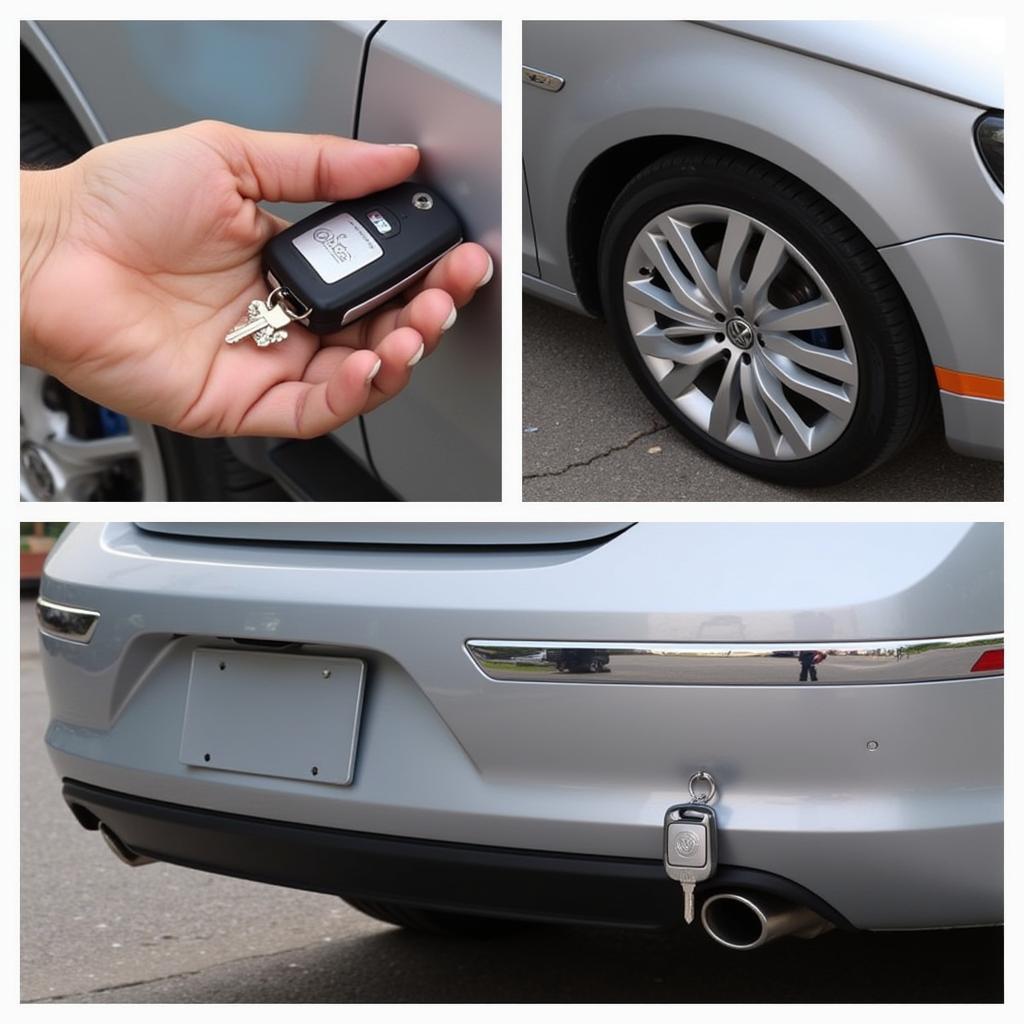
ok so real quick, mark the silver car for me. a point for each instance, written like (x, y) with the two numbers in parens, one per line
(433, 83)
(454, 725)
(793, 229)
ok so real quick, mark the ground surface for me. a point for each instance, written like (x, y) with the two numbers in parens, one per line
(94, 930)
(591, 435)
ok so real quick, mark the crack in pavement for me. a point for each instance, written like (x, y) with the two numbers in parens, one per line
(600, 455)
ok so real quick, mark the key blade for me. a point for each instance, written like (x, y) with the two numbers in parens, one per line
(688, 903)
(245, 331)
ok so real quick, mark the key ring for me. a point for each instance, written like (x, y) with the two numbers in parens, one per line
(708, 779)
(280, 296)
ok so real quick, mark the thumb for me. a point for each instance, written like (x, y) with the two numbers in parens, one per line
(289, 167)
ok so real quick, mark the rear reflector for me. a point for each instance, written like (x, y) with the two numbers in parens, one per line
(990, 661)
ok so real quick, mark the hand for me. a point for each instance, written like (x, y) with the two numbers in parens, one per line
(139, 257)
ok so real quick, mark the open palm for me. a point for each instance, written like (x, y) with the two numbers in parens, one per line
(153, 256)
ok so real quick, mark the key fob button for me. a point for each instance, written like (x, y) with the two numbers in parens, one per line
(384, 222)
(687, 845)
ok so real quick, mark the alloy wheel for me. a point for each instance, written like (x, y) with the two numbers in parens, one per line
(740, 332)
(56, 465)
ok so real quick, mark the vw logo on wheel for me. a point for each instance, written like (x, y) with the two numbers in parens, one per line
(740, 333)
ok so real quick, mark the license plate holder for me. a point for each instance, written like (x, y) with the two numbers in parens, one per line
(291, 716)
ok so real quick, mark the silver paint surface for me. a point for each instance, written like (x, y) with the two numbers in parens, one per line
(446, 753)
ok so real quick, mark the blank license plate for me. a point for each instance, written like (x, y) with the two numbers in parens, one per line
(293, 716)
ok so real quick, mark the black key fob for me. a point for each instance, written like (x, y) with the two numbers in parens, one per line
(348, 258)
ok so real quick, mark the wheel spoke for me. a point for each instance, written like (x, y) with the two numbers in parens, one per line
(657, 249)
(830, 362)
(805, 317)
(726, 403)
(793, 428)
(658, 343)
(93, 453)
(770, 259)
(691, 362)
(764, 430)
(737, 236)
(647, 294)
(829, 396)
(680, 239)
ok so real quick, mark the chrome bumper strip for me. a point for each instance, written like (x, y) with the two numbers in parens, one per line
(75, 625)
(702, 664)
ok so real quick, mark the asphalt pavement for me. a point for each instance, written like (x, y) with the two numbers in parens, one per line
(591, 435)
(94, 930)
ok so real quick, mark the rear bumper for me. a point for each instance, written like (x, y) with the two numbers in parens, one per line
(496, 882)
(447, 754)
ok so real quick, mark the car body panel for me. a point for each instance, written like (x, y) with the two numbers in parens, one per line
(935, 274)
(442, 438)
(447, 754)
(961, 58)
(899, 161)
(438, 84)
(530, 264)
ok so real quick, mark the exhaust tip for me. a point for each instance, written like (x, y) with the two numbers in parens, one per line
(734, 921)
(122, 851)
(746, 922)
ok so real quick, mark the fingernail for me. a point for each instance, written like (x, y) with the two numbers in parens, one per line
(489, 274)
(373, 373)
(416, 358)
(404, 145)
(450, 319)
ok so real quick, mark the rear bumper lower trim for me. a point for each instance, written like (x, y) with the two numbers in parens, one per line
(494, 881)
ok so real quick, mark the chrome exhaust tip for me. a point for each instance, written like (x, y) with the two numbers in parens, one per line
(747, 922)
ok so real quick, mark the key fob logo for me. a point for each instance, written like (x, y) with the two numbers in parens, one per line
(338, 247)
(333, 244)
(686, 844)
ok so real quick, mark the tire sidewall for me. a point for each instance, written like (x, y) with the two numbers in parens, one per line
(865, 435)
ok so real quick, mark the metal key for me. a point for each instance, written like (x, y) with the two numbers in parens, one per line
(265, 322)
(691, 849)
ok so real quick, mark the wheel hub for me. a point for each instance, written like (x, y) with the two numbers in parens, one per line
(739, 332)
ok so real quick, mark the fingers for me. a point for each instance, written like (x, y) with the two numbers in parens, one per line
(337, 386)
(460, 273)
(309, 409)
(286, 166)
(432, 303)
(399, 352)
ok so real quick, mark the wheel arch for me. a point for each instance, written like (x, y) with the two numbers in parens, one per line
(606, 174)
(38, 48)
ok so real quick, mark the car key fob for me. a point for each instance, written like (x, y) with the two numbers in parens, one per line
(341, 262)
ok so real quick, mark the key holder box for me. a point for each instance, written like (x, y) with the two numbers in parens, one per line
(350, 257)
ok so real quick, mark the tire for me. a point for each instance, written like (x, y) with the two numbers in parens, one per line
(50, 135)
(886, 389)
(202, 469)
(433, 922)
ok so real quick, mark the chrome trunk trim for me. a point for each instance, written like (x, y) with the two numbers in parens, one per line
(737, 664)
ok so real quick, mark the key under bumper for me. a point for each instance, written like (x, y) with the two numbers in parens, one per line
(485, 880)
